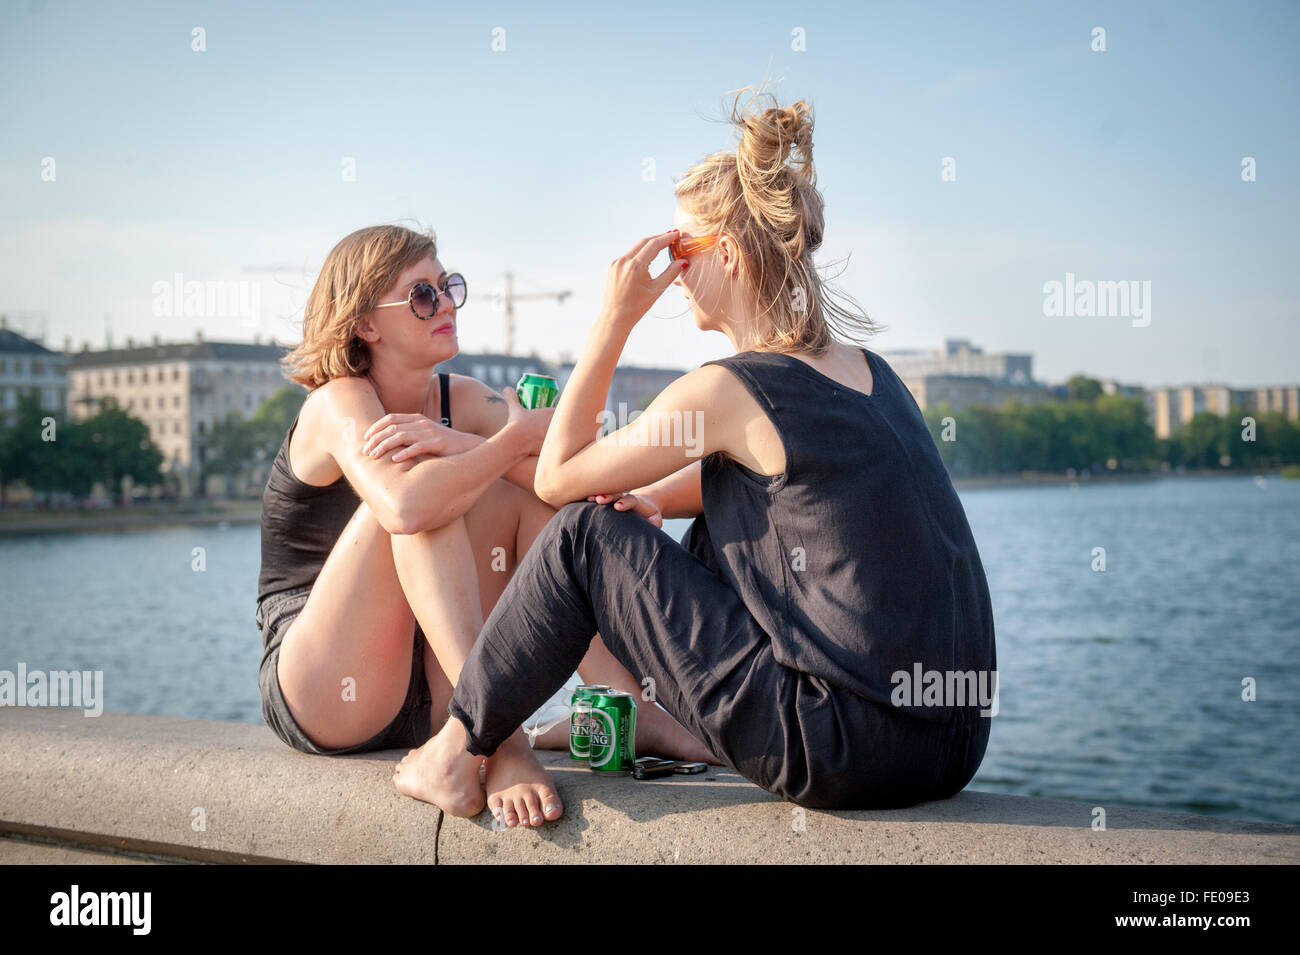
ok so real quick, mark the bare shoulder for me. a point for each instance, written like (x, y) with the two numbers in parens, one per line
(471, 388)
(738, 425)
(340, 398)
(719, 389)
(475, 407)
(704, 384)
(342, 407)
(322, 422)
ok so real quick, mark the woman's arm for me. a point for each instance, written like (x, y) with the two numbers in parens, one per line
(422, 492)
(688, 419)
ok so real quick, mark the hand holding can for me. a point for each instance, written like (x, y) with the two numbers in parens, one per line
(537, 391)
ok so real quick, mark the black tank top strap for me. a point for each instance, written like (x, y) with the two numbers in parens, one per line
(444, 397)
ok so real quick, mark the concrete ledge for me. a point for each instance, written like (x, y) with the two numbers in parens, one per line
(73, 788)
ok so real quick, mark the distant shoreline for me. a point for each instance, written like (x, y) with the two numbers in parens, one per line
(1051, 480)
(1034, 479)
(141, 517)
(137, 517)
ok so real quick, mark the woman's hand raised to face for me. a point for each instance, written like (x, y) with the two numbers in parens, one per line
(630, 289)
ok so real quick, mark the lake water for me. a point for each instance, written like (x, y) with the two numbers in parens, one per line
(1121, 687)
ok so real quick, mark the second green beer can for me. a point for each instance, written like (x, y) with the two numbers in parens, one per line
(613, 732)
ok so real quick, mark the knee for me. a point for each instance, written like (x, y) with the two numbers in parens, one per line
(580, 518)
(570, 531)
(575, 516)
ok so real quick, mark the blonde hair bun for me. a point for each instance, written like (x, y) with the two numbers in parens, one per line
(776, 140)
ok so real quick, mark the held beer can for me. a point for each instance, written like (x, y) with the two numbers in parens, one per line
(580, 722)
(537, 391)
(613, 732)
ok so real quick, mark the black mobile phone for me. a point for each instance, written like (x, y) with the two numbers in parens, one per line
(652, 767)
(690, 769)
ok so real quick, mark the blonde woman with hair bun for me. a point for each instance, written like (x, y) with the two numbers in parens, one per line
(829, 552)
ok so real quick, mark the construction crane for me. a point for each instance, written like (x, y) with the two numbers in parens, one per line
(511, 297)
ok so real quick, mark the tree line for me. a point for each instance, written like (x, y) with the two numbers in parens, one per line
(52, 454)
(1092, 431)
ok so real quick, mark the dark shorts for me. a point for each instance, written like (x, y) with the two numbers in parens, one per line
(410, 728)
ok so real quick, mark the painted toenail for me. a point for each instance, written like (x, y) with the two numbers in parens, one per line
(537, 819)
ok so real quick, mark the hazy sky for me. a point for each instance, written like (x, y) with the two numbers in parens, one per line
(1123, 165)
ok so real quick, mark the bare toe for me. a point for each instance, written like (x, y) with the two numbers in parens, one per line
(552, 808)
(532, 808)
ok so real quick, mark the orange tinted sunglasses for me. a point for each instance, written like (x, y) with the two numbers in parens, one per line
(681, 248)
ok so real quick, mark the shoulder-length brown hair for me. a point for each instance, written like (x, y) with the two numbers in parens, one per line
(356, 273)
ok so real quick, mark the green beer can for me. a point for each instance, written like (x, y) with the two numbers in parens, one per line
(537, 391)
(580, 721)
(613, 732)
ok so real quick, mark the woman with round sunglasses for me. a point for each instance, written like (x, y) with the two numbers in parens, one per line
(829, 551)
(396, 511)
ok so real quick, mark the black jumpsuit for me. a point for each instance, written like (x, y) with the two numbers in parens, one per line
(774, 631)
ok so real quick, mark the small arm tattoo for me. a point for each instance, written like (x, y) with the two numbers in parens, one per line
(494, 398)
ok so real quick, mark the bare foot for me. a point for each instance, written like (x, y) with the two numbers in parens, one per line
(443, 773)
(520, 791)
(658, 734)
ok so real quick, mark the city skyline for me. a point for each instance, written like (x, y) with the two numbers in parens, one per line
(955, 361)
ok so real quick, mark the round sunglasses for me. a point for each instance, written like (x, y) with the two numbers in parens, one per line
(423, 297)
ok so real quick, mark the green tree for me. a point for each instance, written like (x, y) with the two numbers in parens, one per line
(1083, 388)
(49, 453)
(236, 445)
(118, 446)
(230, 449)
(26, 452)
(271, 421)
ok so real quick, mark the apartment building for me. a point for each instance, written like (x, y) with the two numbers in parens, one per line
(27, 365)
(180, 390)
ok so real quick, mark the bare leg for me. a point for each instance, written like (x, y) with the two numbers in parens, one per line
(438, 573)
(356, 626)
(502, 525)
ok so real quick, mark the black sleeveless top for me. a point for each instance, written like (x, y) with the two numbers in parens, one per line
(857, 561)
(301, 522)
